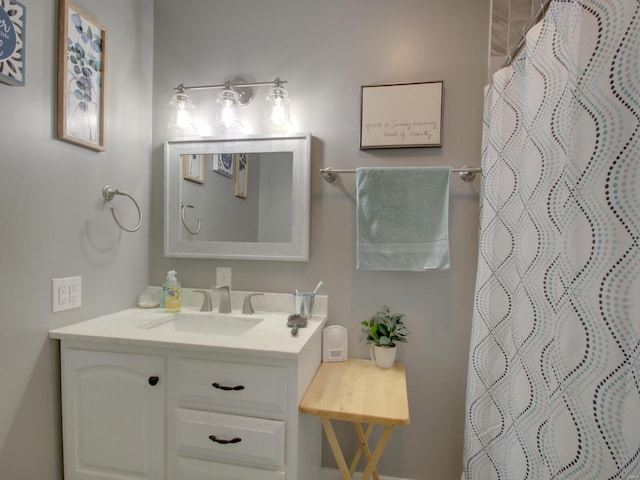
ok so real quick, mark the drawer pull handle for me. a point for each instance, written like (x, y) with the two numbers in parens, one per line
(153, 381)
(222, 387)
(213, 438)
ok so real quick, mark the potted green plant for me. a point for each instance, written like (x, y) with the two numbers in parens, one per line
(383, 330)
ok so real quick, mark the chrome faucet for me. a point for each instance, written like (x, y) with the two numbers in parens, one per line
(225, 298)
(206, 301)
(247, 308)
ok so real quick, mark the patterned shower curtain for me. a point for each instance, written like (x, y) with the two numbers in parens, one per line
(553, 389)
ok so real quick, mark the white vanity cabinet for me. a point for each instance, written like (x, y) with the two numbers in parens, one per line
(113, 415)
(139, 407)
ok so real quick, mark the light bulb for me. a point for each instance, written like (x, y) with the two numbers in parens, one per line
(227, 110)
(277, 111)
(227, 116)
(278, 115)
(181, 113)
(182, 119)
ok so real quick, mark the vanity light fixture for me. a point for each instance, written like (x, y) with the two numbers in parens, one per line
(232, 96)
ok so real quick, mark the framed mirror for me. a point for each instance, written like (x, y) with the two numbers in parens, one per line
(244, 197)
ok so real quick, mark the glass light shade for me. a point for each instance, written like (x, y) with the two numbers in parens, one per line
(181, 118)
(227, 113)
(277, 113)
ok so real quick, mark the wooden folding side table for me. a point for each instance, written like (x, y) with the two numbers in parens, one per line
(359, 392)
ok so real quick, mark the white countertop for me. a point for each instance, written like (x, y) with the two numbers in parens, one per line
(271, 336)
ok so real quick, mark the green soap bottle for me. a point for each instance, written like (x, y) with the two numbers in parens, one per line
(173, 299)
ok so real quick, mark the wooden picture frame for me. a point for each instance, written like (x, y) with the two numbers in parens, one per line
(193, 167)
(13, 22)
(401, 115)
(241, 175)
(82, 55)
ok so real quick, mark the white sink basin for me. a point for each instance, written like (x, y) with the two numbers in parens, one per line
(215, 324)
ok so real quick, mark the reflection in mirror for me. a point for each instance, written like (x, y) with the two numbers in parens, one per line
(254, 205)
(238, 197)
(184, 221)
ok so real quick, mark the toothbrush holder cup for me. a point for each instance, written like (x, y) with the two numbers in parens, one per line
(303, 303)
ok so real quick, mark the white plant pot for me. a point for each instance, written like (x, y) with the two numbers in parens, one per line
(384, 357)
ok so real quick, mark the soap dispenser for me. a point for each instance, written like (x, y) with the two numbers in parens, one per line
(173, 297)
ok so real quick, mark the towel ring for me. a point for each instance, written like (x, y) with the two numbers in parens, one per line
(108, 192)
(184, 222)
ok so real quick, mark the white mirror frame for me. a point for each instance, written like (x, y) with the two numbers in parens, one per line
(296, 250)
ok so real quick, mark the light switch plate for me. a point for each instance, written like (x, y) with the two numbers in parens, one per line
(223, 276)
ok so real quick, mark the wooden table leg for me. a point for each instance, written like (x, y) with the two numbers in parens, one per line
(373, 461)
(335, 447)
(363, 436)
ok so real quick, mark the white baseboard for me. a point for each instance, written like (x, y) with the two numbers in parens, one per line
(334, 474)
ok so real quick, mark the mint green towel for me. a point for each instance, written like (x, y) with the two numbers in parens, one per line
(403, 218)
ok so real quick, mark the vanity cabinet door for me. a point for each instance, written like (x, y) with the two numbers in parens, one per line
(113, 415)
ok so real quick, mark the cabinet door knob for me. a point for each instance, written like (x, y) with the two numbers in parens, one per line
(222, 387)
(213, 438)
(153, 381)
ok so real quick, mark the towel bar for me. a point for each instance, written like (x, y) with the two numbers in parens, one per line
(467, 174)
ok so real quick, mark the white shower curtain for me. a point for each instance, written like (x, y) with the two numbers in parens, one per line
(553, 388)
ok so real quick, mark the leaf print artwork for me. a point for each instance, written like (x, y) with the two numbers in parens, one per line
(82, 68)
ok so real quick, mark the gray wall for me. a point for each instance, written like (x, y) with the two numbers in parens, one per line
(54, 222)
(327, 50)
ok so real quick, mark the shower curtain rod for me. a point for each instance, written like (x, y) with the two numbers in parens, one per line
(511, 54)
(466, 173)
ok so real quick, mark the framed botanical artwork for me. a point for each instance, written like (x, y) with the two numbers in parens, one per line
(241, 175)
(13, 26)
(401, 115)
(82, 55)
(193, 167)
(223, 164)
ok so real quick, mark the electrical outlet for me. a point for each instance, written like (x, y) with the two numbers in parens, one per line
(75, 292)
(66, 293)
(223, 276)
(63, 294)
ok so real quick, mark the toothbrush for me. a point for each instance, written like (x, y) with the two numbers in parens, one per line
(320, 283)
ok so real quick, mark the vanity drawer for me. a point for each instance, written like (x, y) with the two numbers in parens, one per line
(233, 387)
(230, 438)
(194, 469)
